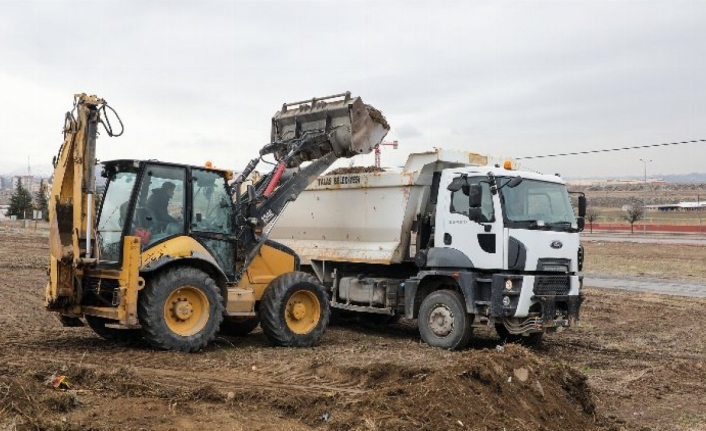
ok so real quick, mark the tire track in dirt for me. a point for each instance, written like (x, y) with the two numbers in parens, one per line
(275, 378)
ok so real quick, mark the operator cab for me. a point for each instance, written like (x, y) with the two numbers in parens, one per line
(158, 201)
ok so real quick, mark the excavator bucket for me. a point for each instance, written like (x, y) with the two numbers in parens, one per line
(352, 127)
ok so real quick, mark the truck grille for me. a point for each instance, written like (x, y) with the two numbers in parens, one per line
(552, 285)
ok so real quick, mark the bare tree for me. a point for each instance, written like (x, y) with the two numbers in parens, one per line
(633, 213)
(591, 216)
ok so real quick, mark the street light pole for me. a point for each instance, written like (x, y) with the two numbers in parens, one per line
(644, 198)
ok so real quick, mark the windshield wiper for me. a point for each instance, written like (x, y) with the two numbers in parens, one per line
(563, 224)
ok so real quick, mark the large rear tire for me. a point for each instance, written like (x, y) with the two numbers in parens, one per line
(101, 328)
(443, 321)
(235, 327)
(180, 309)
(294, 310)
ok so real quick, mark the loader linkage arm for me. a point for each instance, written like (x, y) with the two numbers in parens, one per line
(320, 133)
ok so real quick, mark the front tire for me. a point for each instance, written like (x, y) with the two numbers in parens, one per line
(180, 309)
(294, 310)
(443, 321)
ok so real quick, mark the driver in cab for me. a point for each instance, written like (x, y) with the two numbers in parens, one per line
(158, 203)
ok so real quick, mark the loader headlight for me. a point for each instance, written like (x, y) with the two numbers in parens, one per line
(506, 301)
(508, 284)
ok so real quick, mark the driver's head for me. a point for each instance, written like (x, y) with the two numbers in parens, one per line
(169, 188)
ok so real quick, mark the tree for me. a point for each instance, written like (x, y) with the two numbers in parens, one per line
(591, 216)
(633, 213)
(42, 204)
(21, 203)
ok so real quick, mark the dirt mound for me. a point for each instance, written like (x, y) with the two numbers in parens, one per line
(489, 389)
(485, 389)
(356, 170)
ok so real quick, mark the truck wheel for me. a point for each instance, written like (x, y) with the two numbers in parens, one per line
(443, 321)
(526, 340)
(99, 326)
(294, 310)
(238, 327)
(180, 309)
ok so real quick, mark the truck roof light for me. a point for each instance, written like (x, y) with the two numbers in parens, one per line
(209, 164)
(508, 165)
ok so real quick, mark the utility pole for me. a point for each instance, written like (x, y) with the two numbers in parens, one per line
(644, 198)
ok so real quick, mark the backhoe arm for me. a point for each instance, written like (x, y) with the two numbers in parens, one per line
(71, 204)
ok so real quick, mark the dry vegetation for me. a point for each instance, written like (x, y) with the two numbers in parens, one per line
(664, 261)
(636, 362)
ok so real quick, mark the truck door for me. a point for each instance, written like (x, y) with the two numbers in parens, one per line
(481, 242)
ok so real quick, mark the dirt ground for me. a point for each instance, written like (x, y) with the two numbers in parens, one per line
(637, 362)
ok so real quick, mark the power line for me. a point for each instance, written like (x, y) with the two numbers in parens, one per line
(578, 153)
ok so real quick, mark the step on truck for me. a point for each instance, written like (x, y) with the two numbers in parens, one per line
(449, 241)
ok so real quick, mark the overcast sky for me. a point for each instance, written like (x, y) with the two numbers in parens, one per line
(200, 80)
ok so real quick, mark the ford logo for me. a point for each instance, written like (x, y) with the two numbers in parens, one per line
(556, 244)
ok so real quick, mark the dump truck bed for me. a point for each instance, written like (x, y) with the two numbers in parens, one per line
(363, 217)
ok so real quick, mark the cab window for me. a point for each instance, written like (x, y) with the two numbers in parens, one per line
(160, 204)
(212, 203)
(459, 200)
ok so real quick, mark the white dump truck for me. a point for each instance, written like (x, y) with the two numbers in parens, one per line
(447, 240)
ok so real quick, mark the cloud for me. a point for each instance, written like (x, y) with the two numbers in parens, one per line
(510, 78)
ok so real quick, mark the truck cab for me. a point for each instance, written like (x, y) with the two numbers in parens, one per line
(516, 237)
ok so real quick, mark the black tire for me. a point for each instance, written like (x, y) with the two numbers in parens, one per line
(443, 321)
(294, 310)
(238, 327)
(192, 319)
(532, 339)
(99, 326)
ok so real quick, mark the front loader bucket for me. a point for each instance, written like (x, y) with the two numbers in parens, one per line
(352, 126)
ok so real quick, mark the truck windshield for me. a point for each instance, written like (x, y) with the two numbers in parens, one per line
(537, 203)
(114, 214)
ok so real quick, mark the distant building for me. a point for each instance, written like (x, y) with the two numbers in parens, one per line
(681, 206)
(27, 182)
(6, 182)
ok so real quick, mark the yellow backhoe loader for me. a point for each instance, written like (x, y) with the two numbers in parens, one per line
(175, 253)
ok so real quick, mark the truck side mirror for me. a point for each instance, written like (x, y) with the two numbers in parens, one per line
(457, 184)
(582, 206)
(580, 223)
(475, 195)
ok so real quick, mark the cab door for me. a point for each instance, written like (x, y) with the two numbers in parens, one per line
(481, 242)
(211, 217)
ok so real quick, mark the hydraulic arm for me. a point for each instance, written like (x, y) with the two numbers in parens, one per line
(72, 206)
(318, 131)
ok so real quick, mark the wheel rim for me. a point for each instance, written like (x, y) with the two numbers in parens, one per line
(186, 311)
(441, 320)
(302, 312)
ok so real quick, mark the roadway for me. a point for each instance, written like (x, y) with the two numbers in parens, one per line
(640, 284)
